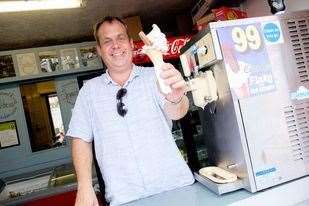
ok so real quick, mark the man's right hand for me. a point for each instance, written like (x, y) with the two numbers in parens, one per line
(86, 197)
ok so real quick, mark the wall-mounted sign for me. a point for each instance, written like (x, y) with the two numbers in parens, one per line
(27, 64)
(69, 92)
(6, 66)
(90, 57)
(174, 46)
(49, 61)
(8, 104)
(69, 59)
(8, 134)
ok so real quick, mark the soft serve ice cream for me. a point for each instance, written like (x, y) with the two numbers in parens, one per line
(155, 46)
(158, 40)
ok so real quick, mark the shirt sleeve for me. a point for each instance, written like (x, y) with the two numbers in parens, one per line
(80, 124)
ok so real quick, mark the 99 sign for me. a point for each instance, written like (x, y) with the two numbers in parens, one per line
(246, 38)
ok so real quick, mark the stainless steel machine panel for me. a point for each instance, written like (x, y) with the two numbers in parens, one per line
(259, 126)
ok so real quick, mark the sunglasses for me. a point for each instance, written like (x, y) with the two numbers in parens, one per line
(122, 111)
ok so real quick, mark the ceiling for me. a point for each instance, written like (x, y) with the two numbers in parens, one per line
(46, 28)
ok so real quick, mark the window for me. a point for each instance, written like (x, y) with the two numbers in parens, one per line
(43, 115)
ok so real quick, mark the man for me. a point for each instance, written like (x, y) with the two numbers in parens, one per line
(129, 120)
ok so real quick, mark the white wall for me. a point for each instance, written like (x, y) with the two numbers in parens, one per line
(260, 7)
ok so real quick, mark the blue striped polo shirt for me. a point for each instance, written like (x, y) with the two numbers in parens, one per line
(136, 153)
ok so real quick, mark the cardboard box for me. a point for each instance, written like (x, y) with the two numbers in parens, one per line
(134, 26)
(220, 14)
(200, 9)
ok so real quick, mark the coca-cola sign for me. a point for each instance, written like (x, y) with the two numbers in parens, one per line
(174, 46)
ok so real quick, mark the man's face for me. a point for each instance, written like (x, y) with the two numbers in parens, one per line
(116, 49)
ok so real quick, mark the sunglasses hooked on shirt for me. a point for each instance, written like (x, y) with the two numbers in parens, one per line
(172, 77)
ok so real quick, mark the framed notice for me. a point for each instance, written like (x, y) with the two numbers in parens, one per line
(49, 61)
(6, 66)
(69, 59)
(89, 57)
(27, 64)
(8, 134)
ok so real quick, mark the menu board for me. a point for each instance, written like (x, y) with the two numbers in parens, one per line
(27, 64)
(8, 134)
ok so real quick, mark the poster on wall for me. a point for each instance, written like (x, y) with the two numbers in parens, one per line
(8, 134)
(49, 61)
(6, 66)
(90, 57)
(69, 59)
(8, 104)
(27, 64)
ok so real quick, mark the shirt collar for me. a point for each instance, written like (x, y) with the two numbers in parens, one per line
(134, 73)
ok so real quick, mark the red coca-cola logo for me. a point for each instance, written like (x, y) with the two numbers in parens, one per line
(174, 46)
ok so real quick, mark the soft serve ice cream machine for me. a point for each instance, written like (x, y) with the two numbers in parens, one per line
(251, 77)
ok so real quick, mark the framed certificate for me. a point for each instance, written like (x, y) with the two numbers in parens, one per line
(8, 134)
(27, 64)
(6, 66)
(49, 61)
(90, 57)
(69, 59)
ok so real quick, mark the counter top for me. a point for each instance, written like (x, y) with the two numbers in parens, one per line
(39, 184)
(292, 193)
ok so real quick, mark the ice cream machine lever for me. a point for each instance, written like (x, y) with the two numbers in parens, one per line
(202, 85)
(204, 89)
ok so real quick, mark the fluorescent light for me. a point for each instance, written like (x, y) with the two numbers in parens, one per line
(30, 5)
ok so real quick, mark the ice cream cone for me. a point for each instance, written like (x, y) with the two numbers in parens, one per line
(156, 58)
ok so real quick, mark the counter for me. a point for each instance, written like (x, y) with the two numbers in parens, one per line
(47, 184)
(292, 193)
